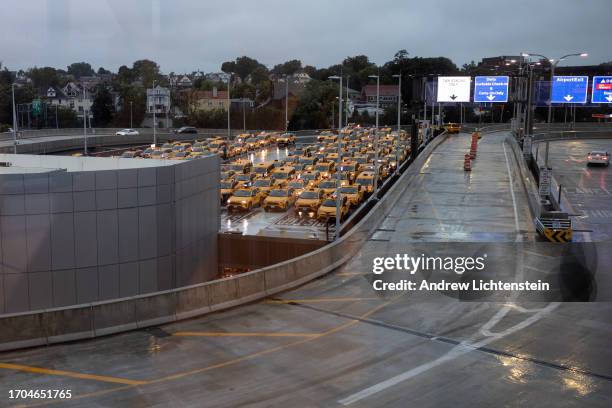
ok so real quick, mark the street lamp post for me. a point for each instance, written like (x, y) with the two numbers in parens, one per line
(14, 120)
(154, 116)
(131, 123)
(346, 106)
(229, 104)
(339, 159)
(399, 114)
(376, 133)
(286, 103)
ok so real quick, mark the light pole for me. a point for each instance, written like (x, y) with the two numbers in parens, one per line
(286, 103)
(399, 113)
(229, 104)
(14, 120)
(84, 124)
(346, 107)
(553, 64)
(131, 123)
(154, 116)
(376, 133)
(338, 193)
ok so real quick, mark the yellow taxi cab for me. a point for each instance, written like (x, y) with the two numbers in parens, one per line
(226, 188)
(263, 169)
(351, 167)
(343, 177)
(327, 210)
(279, 199)
(311, 177)
(297, 185)
(328, 186)
(244, 180)
(453, 127)
(308, 202)
(354, 194)
(366, 180)
(327, 137)
(285, 139)
(244, 199)
(325, 168)
(283, 173)
(264, 185)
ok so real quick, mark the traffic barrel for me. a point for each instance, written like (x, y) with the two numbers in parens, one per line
(467, 163)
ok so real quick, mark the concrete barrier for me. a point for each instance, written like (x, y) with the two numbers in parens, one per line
(528, 182)
(103, 318)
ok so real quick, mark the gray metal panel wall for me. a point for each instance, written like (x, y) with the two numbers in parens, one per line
(72, 238)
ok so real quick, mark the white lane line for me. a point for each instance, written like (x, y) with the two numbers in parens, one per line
(516, 221)
(458, 350)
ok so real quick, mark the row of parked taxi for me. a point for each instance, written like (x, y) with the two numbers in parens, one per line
(184, 150)
(308, 180)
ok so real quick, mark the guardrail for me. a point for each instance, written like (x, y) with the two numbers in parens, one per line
(102, 318)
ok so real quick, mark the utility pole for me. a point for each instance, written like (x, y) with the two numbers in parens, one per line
(399, 114)
(286, 102)
(56, 122)
(84, 124)
(131, 124)
(14, 120)
(347, 100)
(229, 104)
(338, 160)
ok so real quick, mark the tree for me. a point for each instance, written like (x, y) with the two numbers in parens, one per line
(147, 71)
(103, 71)
(80, 69)
(125, 75)
(287, 68)
(243, 66)
(103, 107)
(43, 78)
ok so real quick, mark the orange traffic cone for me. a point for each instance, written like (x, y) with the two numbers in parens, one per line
(467, 163)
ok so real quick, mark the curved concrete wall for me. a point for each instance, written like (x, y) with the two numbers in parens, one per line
(76, 237)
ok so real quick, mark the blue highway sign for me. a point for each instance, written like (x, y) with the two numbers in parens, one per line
(569, 89)
(602, 89)
(491, 89)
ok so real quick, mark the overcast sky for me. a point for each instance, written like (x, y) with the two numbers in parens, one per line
(188, 35)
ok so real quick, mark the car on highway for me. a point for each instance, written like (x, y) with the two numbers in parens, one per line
(309, 201)
(285, 139)
(312, 178)
(263, 169)
(241, 166)
(327, 210)
(297, 185)
(325, 168)
(598, 158)
(127, 132)
(354, 194)
(244, 199)
(279, 199)
(186, 130)
(452, 127)
(226, 188)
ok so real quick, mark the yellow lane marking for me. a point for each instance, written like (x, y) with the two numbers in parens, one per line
(351, 274)
(238, 359)
(39, 370)
(233, 334)
(270, 350)
(320, 300)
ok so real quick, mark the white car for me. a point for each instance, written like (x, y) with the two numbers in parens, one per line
(127, 132)
(598, 157)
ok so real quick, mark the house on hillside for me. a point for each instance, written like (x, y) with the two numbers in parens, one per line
(388, 95)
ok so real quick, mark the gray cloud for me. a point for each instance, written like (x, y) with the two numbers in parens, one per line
(185, 35)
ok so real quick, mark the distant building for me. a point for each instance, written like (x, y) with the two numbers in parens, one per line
(184, 82)
(158, 100)
(388, 95)
(207, 100)
(71, 96)
(500, 61)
